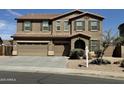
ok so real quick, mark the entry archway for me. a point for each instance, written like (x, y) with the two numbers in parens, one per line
(79, 44)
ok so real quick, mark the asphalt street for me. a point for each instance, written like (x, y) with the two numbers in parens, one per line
(46, 78)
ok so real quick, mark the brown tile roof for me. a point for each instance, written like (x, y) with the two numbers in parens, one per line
(56, 36)
(47, 16)
(88, 13)
(38, 16)
(70, 12)
(55, 16)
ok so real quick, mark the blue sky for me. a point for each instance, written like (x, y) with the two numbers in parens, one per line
(113, 17)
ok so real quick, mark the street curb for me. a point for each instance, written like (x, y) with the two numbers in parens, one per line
(65, 71)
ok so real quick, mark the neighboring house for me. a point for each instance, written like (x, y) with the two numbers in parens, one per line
(121, 29)
(121, 33)
(1, 41)
(57, 34)
(1, 49)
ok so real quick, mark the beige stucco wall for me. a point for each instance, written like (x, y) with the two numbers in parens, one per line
(62, 25)
(95, 35)
(36, 28)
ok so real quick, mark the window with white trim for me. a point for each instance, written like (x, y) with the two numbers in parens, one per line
(45, 25)
(94, 25)
(66, 26)
(58, 25)
(27, 26)
(79, 25)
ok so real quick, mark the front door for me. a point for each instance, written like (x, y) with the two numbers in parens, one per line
(80, 44)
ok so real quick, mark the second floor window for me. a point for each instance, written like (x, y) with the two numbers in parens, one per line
(94, 25)
(79, 25)
(27, 26)
(66, 26)
(45, 25)
(58, 25)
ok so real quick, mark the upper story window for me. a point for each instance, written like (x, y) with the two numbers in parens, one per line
(79, 25)
(27, 26)
(94, 25)
(66, 26)
(45, 25)
(58, 25)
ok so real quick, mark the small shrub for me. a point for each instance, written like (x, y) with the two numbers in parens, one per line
(116, 62)
(89, 56)
(98, 53)
(100, 61)
(76, 53)
(122, 63)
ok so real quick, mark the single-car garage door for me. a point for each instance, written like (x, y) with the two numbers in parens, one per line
(32, 49)
(61, 49)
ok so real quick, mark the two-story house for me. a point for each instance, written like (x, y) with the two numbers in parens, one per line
(57, 34)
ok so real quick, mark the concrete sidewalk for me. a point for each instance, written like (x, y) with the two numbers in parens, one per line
(65, 71)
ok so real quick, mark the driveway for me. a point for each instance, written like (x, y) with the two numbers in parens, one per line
(36, 61)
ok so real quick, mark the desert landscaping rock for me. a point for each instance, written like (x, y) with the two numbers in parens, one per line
(80, 64)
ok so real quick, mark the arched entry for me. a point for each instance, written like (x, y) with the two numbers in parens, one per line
(80, 44)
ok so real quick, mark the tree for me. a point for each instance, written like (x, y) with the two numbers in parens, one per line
(119, 41)
(107, 40)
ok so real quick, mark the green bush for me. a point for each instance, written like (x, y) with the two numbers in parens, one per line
(122, 63)
(100, 61)
(76, 53)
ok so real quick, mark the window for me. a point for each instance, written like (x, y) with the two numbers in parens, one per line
(58, 25)
(79, 25)
(95, 45)
(27, 26)
(66, 26)
(94, 25)
(45, 25)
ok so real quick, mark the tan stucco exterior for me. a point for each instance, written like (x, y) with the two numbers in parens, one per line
(57, 40)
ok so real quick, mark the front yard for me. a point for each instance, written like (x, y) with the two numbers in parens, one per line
(80, 64)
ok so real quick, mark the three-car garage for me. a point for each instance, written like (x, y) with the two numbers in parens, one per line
(41, 49)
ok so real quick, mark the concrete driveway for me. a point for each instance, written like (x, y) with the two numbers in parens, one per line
(36, 61)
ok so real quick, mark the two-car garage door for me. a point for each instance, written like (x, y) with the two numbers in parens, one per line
(31, 49)
(41, 49)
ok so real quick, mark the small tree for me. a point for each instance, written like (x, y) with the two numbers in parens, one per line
(107, 40)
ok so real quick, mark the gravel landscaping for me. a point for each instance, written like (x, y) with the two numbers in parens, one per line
(80, 64)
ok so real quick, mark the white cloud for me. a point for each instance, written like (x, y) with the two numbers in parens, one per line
(5, 36)
(2, 24)
(7, 29)
(14, 13)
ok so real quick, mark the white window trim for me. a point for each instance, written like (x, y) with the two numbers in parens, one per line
(57, 25)
(24, 26)
(64, 26)
(82, 25)
(42, 27)
(91, 26)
